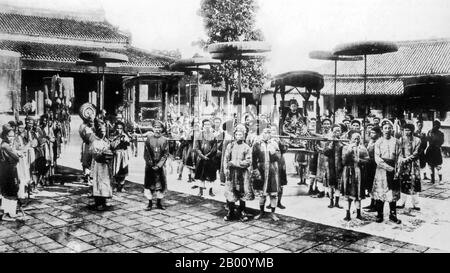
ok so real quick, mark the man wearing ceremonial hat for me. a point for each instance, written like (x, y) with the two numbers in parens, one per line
(156, 152)
(238, 158)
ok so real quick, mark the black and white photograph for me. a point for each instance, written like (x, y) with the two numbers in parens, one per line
(235, 127)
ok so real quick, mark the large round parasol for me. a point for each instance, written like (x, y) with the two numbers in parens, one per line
(329, 56)
(238, 51)
(100, 59)
(365, 48)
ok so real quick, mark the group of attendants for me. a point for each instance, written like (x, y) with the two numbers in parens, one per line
(248, 158)
(384, 161)
(28, 159)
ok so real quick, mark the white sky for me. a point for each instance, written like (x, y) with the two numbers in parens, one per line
(292, 27)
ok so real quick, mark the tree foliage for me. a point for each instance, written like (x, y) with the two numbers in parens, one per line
(227, 21)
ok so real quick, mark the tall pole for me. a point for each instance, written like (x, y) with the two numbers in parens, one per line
(239, 89)
(335, 87)
(198, 93)
(365, 100)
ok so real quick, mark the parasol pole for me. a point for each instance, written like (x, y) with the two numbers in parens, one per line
(198, 92)
(335, 87)
(239, 89)
(365, 104)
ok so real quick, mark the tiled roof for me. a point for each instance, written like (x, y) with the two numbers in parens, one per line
(413, 58)
(65, 53)
(347, 87)
(60, 28)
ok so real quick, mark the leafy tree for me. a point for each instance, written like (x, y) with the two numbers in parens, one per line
(227, 21)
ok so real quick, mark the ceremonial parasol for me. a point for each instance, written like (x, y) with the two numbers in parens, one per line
(196, 63)
(100, 59)
(241, 50)
(309, 80)
(365, 48)
(327, 55)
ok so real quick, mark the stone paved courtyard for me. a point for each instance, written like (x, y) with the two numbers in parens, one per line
(59, 220)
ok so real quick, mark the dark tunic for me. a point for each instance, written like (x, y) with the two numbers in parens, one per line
(409, 169)
(156, 152)
(352, 175)
(265, 158)
(371, 166)
(9, 182)
(189, 153)
(42, 162)
(206, 146)
(119, 146)
(423, 145)
(433, 153)
(333, 153)
(283, 147)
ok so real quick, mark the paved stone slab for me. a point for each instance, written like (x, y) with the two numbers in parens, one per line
(64, 224)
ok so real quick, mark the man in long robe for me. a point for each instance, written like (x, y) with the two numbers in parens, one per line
(119, 145)
(322, 162)
(266, 176)
(433, 153)
(386, 188)
(423, 145)
(281, 164)
(85, 131)
(206, 148)
(333, 152)
(409, 167)
(238, 158)
(156, 152)
(101, 169)
(371, 166)
(354, 157)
